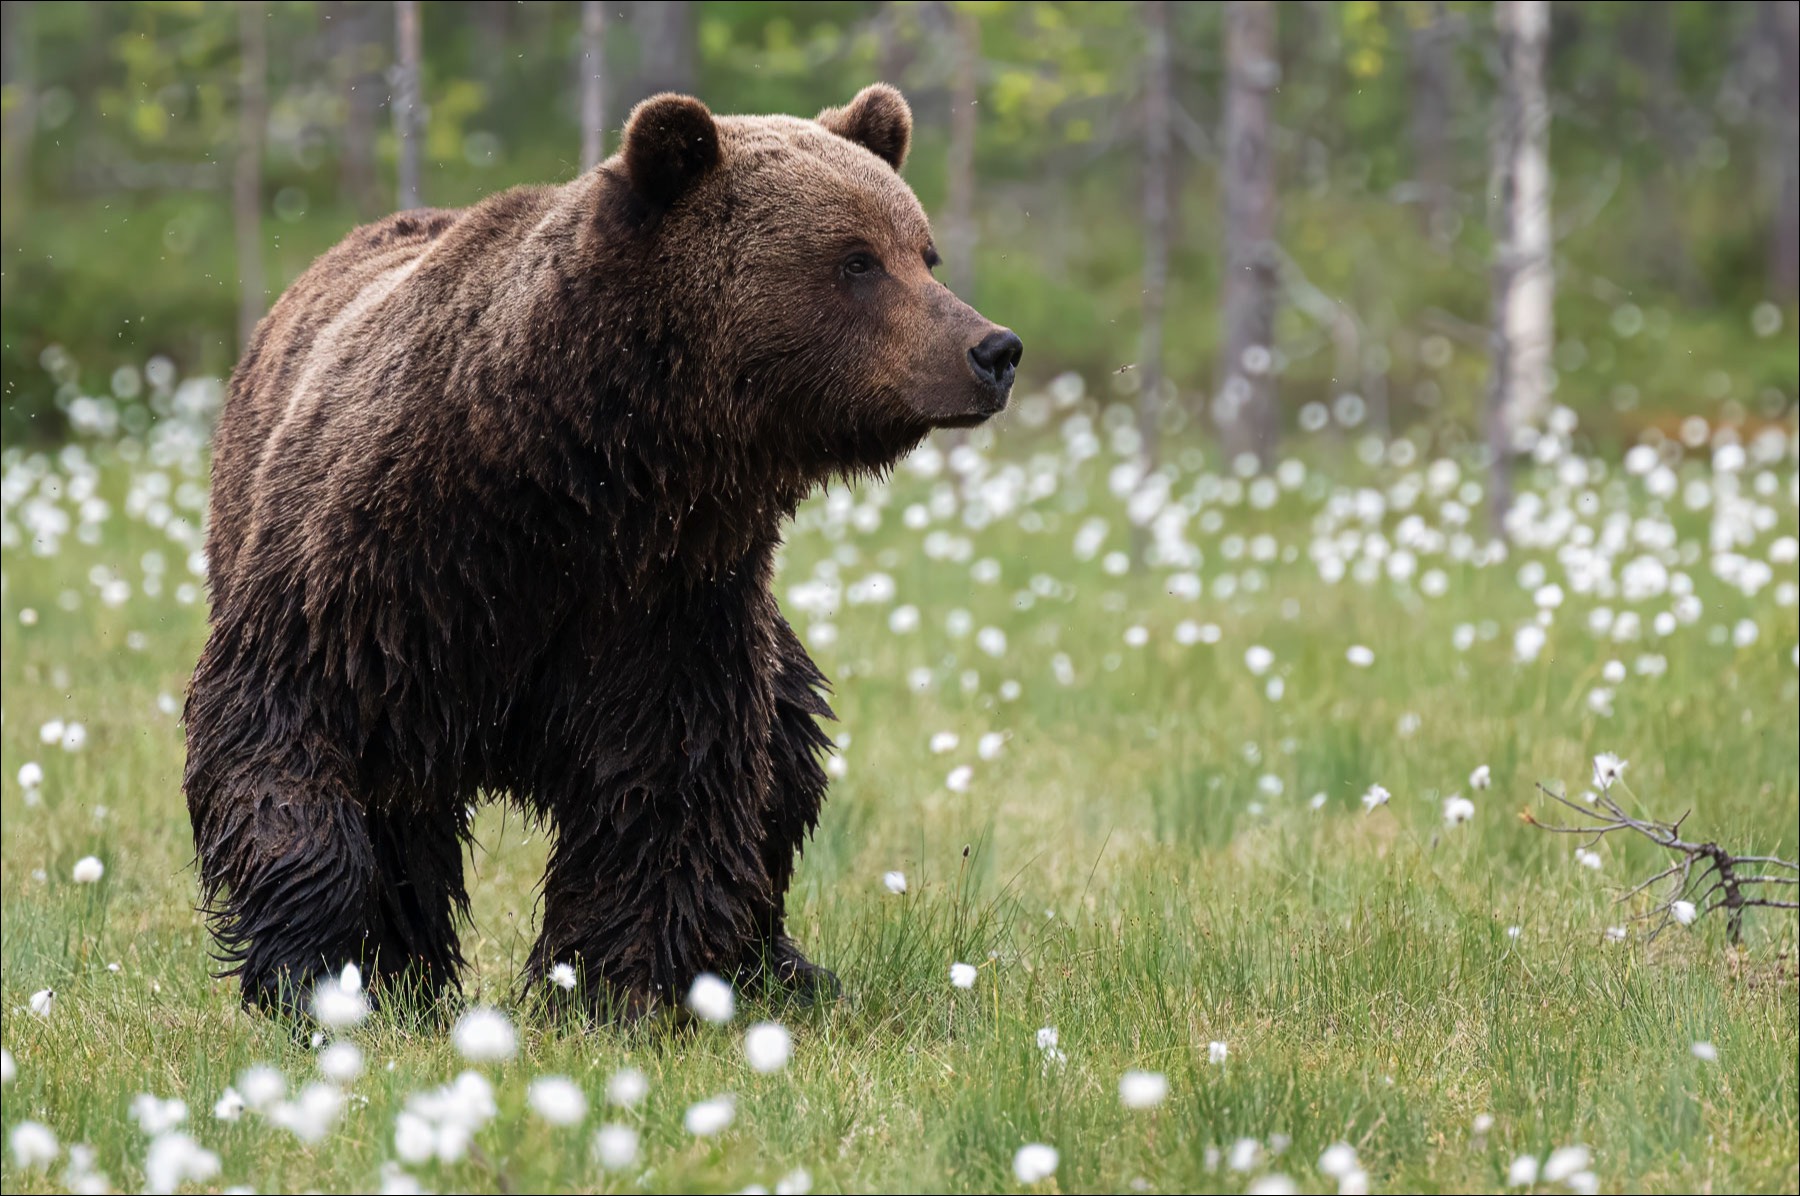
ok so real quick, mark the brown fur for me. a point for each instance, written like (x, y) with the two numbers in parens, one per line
(496, 497)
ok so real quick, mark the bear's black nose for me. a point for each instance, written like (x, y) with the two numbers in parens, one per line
(995, 358)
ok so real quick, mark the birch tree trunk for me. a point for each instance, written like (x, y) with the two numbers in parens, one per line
(665, 30)
(354, 49)
(20, 121)
(1782, 19)
(959, 223)
(1244, 405)
(246, 190)
(593, 83)
(1433, 71)
(1158, 136)
(408, 119)
(1524, 286)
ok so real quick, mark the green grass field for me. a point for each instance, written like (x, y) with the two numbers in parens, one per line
(1158, 848)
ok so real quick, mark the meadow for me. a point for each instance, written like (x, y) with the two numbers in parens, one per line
(1208, 777)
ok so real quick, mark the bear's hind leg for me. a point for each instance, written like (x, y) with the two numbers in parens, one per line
(419, 897)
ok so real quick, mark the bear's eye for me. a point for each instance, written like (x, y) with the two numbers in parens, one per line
(932, 260)
(858, 264)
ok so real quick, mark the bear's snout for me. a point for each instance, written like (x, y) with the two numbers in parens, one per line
(994, 362)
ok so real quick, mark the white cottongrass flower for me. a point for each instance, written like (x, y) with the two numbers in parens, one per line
(9, 1071)
(1607, 769)
(768, 1046)
(1377, 795)
(1034, 1163)
(42, 1001)
(1244, 1155)
(1338, 1160)
(615, 1146)
(1683, 912)
(797, 1182)
(894, 881)
(710, 999)
(88, 870)
(1481, 778)
(1360, 656)
(1458, 810)
(484, 1035)
(31, 774)
(562, 975)
(627, 1088)
(1143, 1089)
(336, 1004)
(944, 741)
(557, 1099)
(1258, 659)
(311, 1114)
(989, 746)
(1523, 1172)
(341, 1062)
(1588, 859)
(1272, 1184)
(962, 975)
(229, 1106)
(261, 1087)
(1706, 1052)
(398, 1181)
(959, 778)
(1047, 1040)
(441, 1123)
(1483, 1123)
(708, 1117)
(155, 1115)
(33, 1145)
(1617, 934)
(1217, 1052)
(175, 1161)
(1563, 1162)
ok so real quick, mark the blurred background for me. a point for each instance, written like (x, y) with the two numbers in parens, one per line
(1241, 217)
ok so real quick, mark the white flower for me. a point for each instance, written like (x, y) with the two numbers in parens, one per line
(1588, 859)
(43, 1001)
(1583, 1183)
(1564, 1162)
(1523, 1172)
(944, 741)
(988, 747)
(9, 1071)
(1258, 659)
(484, 1035)
(962, 975)
(88, 870)
(229, 1106)
(397, 1181)
(350, 979)
(768, 1047)
(562, 975)
(895, 882)
(557, 1099)
(1481, 778)
(1244, 1154)
(1354, 1183)
(959, 778)
(1607, 769)
(627, 1087)
(1617, 934)
(311, 1114)
(341, 1062)
(261, 1086)
(1360, 656)
(176, 1160)
(1683, 912)
(1706, 1052)
(51, 732)
(336, 1005)
(31, 775)
(1272, 1184)
(1483, 1123)
(74, 737)
(157, 1116)
(1528, 641)
(1458, 810)
(34, 1147)
(1376, 796)
(615, 1146)
(709, 1117)
(1217, 1052)
(1338, 1160)
(415, 1140)
(1143, 1089)
(710, 999)
(797, 1182)
(1034, 1163)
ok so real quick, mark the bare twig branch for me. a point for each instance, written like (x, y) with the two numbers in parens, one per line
(1727, 889)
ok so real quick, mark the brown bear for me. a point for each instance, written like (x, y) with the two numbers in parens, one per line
(496, 498)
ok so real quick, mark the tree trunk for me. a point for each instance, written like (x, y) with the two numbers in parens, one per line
(1244, 407)
(246, 192)
(1433, 74)
(593, 83)
(1158, 136)
(959, 222)
(408, 118)
(20, 121)
(665, 30)
(1524, 286)
(355, 49)
(1782, 20)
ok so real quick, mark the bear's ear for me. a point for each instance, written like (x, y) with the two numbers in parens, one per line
(878, 119)
(671, 142)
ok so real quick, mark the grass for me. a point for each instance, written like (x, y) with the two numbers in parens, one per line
(1124, 869)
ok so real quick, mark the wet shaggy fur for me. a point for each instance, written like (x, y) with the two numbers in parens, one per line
(496, 499)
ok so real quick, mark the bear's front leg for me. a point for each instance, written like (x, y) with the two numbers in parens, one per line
(797, 791)
(657, 873)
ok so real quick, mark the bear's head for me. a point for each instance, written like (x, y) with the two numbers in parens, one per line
(799, 267)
